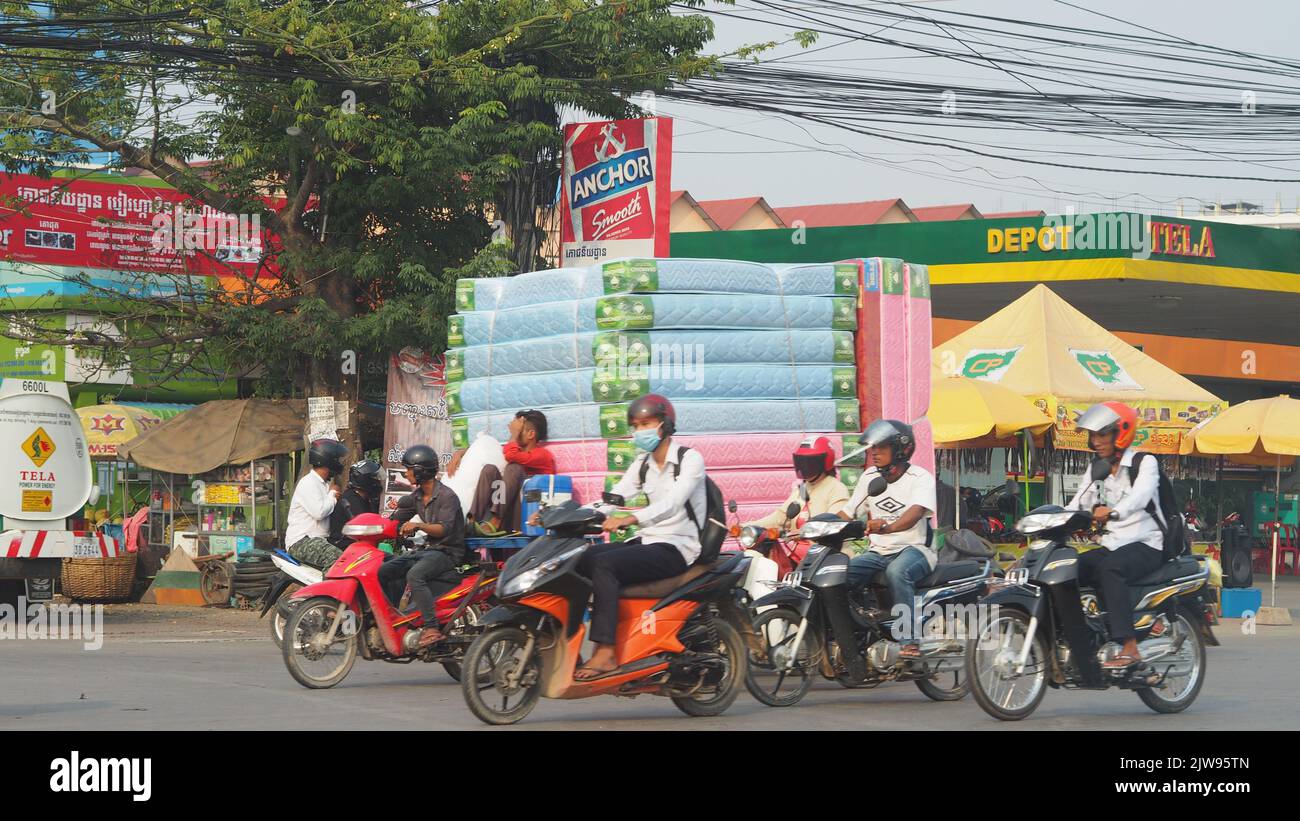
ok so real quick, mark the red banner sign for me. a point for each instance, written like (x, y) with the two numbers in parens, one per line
(615, 198)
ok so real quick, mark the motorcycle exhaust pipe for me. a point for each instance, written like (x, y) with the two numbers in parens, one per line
(835, 601)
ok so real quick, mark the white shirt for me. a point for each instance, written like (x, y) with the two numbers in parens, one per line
(664, 519)
(915, 487)
(310, 509)
(1132, 523)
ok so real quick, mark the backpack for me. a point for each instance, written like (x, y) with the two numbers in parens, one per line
(1177, 542)
(714, 530)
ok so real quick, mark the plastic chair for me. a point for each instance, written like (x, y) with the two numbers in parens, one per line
(1288, 543)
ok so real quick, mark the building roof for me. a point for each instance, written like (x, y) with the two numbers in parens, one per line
(844, 213)
(726, 213)
(1009, 214)
(940, 213)
(674, 196)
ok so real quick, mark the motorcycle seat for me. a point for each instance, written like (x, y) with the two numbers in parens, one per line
(951, 572)
(1167, 572)
(662, 587)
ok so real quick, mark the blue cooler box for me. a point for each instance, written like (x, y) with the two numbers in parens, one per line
(1234, 601)
(553, 489)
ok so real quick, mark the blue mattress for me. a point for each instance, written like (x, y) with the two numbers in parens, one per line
(718, 276)
(620, 384)
(646, 311)
(574, 422)
(566, 352)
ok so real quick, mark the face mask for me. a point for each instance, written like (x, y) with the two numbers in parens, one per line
(647, 439)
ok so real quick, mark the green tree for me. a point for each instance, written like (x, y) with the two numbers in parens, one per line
(381, 127)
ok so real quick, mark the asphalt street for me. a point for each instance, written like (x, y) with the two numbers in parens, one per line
(202, 669)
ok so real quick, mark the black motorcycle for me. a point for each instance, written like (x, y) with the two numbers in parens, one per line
(812, 624)
(1043, 630)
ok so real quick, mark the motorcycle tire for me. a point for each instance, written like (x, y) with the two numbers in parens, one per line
(1154, 698)
(756, 669)
(481, 651)
(277, 627)
(717, 703)
(974, 654)
(936, 692)
(324, 605)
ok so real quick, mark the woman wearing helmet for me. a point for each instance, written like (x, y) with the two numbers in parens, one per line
(817, 491)
(668, 540)
(897, 519)
(360, 496)
(307, 530)
(1132, 545)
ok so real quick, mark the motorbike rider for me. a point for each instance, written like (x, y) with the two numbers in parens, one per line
(668, 540)
(1133, 543)
(307, 527)
(818, 490)
(897, 520)
(360, 496)
(430, 569)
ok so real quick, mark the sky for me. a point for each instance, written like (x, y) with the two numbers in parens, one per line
(721, 152)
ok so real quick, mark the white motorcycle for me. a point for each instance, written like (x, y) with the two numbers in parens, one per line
(292, 576)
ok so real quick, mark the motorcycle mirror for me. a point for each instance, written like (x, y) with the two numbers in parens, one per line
(1012, 487)
(792, 510)
(731, 506)
(877, 486)
(1100, 469)
(612, 499)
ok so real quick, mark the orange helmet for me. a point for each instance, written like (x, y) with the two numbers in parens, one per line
(1111, 416)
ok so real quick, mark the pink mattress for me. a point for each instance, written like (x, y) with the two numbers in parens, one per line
(758, 450)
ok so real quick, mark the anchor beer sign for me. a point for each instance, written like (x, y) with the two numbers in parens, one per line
(614, 201)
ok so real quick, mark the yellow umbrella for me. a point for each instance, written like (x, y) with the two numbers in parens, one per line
(1259, 432)
(964, 410)
(967, 412)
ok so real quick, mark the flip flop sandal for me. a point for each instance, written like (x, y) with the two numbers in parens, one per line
(1120, 662)
(599, 673)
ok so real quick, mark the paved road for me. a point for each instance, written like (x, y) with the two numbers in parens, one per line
(177, 668)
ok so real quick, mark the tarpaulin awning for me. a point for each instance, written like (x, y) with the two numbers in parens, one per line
(220, 432)
(1043, 349)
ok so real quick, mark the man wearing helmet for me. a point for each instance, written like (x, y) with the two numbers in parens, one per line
(897, 519)
(668, 540)
(1133, 543)
(314, 499)
(818, 489)
(432, 509)
(360, 496)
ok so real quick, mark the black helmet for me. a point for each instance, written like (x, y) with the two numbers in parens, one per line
(364, 475)
(898, 435)
(654, 406)
(327, 453)
(423, 460)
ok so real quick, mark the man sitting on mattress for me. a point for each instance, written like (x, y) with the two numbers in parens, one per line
(496, 505)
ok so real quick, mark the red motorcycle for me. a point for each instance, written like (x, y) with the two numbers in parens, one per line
(348, 614)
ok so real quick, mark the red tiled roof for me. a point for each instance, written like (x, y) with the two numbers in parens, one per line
(1007, 214)
(940, 213)
(726, 213)
(674, 196)
(844, 213)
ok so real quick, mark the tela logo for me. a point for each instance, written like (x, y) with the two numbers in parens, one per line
(75, 774)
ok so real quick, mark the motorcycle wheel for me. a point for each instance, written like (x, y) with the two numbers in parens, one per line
(933, 689)
(467, 619)
(776, 630)
(494, 656)
(717, 702)
(278, 619)
(988, 656)
(1176, 693)
(303, 644)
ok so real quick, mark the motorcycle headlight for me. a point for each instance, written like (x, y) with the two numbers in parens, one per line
(817, 530)
(529, 578)
(749, 536)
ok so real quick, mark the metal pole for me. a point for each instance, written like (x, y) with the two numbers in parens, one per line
(1277, 527)
(1218, 527)
(956, 511)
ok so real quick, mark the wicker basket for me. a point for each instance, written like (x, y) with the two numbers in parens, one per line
(105, 579)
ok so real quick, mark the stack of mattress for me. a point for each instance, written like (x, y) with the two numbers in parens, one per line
(754, 357)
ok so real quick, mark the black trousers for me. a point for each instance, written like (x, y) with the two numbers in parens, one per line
(1110, 571)
(431, 574)
(611, 567)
